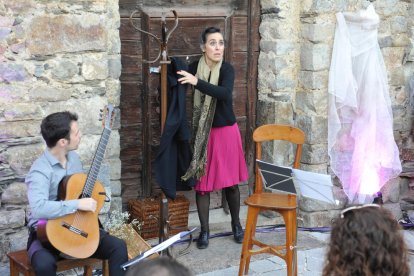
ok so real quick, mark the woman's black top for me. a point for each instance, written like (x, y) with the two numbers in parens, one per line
(223, 92)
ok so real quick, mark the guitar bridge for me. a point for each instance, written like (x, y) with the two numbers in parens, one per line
(74, 229)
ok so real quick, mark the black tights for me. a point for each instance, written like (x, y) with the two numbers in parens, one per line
(203, 206)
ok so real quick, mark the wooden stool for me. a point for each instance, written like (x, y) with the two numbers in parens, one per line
(284, 204)
(19, 262)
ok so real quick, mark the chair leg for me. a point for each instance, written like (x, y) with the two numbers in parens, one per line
(290, 258)
(105, 268)
(87, 270)
(249, 233)
(13, 269)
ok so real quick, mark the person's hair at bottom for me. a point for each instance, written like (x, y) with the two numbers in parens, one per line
(162, 266)
(366, 241)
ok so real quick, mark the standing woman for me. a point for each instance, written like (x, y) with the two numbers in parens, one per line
(218, 159)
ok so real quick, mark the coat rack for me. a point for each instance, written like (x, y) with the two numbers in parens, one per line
(163, 61)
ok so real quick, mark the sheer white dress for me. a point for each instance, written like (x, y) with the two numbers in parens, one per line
(361, 145)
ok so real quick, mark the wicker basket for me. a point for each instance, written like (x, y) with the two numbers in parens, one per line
(147, 211)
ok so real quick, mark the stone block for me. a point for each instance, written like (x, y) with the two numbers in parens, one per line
(15, 193)
(270, 30)
(401, 40)
(318, 218)
(20, 7)
(49, 94)
(12, 72)
(267, 109)
(270, 62)
(318, 168)
(21, 157)
(116, 204)
(116, 187)
(11, 219)
(64, 69)
(4, 249)
(393, 57)
(310, 205)
(113, 92)
(314, 79)
(66, 33)
(399, 24)
(115, 168)
(315, 154)
(315, 128)
(324, 6)
(317, 33)
(313, 102)
(384, 41)
(315, 57)
(279, 47)
(114, 67)
(18, 239)
(20, 129)
(12, 94)
(394, 208)
(23, 111)
(391, 191)
(114, 41)
(95, 67)
(396, 76)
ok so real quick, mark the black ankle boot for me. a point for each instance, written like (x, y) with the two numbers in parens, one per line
(237, 232)
(202, 241)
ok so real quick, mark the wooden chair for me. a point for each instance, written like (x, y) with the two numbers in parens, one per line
(284, 204)
(19, 263)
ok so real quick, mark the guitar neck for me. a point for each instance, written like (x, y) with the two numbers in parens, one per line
(96, 163)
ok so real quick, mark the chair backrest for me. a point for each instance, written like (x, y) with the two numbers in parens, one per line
(273, 132)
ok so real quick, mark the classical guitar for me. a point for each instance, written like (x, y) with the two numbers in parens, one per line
(77, 234)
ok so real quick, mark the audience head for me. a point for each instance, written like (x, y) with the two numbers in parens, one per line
(365, 241)
(162, 266)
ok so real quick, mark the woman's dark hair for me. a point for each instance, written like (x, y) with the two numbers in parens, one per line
(56, 126)
(365, 242)
(209, 30)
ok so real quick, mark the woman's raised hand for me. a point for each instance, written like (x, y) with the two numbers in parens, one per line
(187, 78)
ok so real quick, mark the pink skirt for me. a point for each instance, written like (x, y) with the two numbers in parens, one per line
(226, 165)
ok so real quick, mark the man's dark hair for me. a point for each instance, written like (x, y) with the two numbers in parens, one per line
(162, 266)
(56, 126)
(206, 32)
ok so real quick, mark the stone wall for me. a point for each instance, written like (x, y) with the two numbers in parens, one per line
(54, 56)
(296, 46)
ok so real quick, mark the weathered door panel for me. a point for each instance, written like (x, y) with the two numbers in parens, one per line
(140, 100)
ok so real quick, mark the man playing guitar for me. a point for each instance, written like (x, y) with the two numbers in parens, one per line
(62, 136)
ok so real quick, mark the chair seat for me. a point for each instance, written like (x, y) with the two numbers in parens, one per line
(272, 201)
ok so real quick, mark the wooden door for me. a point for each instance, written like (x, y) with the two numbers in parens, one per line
(140, 100)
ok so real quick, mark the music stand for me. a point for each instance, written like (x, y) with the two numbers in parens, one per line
(277, 178)
(164, 245)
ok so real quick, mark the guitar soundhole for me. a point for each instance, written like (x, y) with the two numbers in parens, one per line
(74, 229)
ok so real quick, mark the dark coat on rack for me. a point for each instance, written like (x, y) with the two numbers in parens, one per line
(174, 155)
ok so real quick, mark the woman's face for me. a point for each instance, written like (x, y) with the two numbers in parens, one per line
(214, 48)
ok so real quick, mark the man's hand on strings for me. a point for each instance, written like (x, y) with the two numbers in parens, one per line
(87, 204)
(187, 78)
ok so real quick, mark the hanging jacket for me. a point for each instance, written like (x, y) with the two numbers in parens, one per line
(174, 154)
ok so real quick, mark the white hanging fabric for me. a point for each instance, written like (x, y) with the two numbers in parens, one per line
(361, 145)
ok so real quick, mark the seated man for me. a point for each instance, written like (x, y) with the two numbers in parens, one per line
(62, 136)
